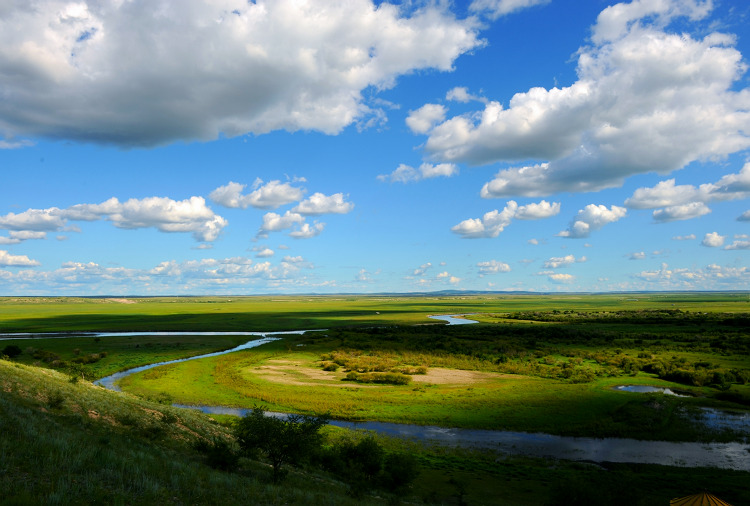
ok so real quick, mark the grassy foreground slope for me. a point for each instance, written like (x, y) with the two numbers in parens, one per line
(72, 443)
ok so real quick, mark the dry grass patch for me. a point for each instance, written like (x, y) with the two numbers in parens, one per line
(300, 373)
(439, 376)
(303, 373)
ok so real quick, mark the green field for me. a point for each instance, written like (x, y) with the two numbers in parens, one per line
(534, 363)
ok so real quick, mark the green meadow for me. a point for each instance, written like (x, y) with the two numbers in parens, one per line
(536, 363)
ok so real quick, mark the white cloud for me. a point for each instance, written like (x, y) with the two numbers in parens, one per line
(363, 276)
(272, 195)
(306, 231)
(33, 220)
(425, 118)
(490, 225)
(496, 8)
(164, 214)
(200, 69)
(740, 242)
(538, 211)
(713, 240)
(406, 174)
(689, 237)
(665, 194)
(639, 255)
(265, 253)
(682, 202)
(492, 267)
(8, 260)
(617, 20)
(592, 218)
(461, 94)
(273, 222)
(682, 212)
(670, 94)
(557, 262)
(494, 222)
(421, 269)
(711, 277)
(561, 278)
(319, 204)
(744, 216)
(18, 236)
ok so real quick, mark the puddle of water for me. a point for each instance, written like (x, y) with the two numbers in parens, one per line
(722, 420)
(452, 319)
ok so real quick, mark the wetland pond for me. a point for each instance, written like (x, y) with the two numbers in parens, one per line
(720, 455)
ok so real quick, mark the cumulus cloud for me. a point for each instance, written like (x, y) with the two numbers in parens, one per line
(561, 278)
(271, 195)
(490, 225)
(744, 216)
(461, 94)
(494, 222)
(492, 267)
(143, 74)
(307, 231)
(446, 276)
(273, 222)
(592, 218)
(713, 240)
(8, 260)
(741, 241)
(406, 174)
(213, 275)
(682, 212)
(265, 253)
(34, 220)
(557, 262)
(425, 118)
(682, 202)
(496, 8)
(18, 236)
(538, 211)
(713, 276)
(639, 255)
(670, 94)
(319, 204)
(167, 215)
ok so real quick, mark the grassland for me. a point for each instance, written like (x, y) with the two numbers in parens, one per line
(534, 363)
(72, 443)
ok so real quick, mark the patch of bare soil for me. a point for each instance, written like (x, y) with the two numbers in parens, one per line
(292, 372)
(438, 376)
(122, 301)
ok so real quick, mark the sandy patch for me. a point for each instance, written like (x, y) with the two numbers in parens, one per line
(438, 376)
(293, 372)
(121, 301)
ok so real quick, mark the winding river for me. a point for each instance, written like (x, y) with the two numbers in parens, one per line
(720, 455)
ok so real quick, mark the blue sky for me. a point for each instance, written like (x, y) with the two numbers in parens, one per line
(227, 147)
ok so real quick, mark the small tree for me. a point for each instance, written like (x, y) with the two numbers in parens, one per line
(282, 441)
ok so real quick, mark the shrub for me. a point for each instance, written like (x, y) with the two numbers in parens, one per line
(11, 351)
(282, 441)
(218, 453)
